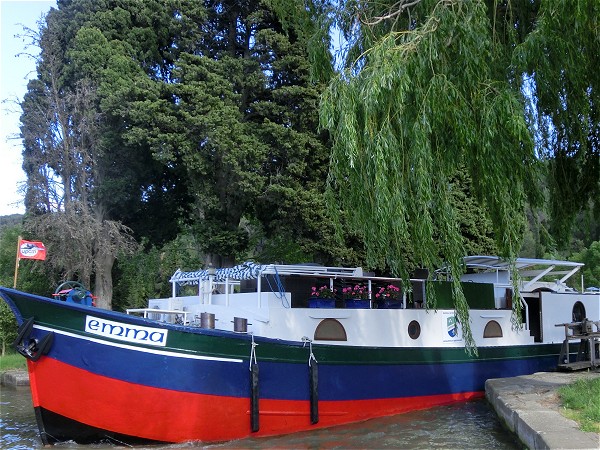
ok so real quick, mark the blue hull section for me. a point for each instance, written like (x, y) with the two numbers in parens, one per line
(282, 380)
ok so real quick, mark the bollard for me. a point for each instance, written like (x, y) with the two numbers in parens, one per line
(240, 325)
(207, 320)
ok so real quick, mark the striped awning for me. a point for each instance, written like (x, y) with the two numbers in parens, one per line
(245, 271)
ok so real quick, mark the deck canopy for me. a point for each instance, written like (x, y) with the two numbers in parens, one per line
(251, 270)
(246, 271)
(530, 270)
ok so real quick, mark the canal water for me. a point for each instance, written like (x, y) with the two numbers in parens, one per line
(469, 425)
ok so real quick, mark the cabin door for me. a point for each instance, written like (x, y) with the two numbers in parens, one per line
(535, 315)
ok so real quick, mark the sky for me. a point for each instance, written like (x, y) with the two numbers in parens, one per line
(16, 68)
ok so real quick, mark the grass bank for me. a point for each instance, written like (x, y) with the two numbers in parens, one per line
(581, 403)
(12, 361)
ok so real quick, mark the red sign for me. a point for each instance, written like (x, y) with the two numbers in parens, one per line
(31, 250)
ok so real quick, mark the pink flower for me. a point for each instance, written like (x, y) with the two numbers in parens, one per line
(357, 291)
(389, 291)
(322, 292)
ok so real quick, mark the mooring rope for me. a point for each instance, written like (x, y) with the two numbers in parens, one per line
(254, 389)
(253, 352)
(280, 291)
(313, 382)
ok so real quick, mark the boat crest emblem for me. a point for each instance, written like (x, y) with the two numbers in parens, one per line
(451, 327)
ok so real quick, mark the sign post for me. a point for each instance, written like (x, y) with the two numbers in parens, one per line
(17, 263)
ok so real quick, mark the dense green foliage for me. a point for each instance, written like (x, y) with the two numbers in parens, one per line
(8, 327)
(238, 115)
(591, 258)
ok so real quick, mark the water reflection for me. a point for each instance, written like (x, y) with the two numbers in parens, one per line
(470, 425)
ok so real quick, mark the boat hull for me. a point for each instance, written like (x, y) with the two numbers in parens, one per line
(110, 376)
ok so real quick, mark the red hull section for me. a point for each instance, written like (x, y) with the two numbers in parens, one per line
(174, 416)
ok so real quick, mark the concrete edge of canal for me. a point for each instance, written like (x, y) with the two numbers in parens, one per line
(530, 407)
(14, 378)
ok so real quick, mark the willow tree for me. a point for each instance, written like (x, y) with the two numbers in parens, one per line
(558, 61)
(431, 86)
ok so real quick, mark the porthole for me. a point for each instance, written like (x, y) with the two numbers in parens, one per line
(578, 312)
(414, 329)
(330, 330)
(492, 330)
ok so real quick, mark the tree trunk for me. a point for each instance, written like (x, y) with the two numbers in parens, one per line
(104, 285)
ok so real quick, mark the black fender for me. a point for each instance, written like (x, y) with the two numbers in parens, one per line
(30, 347)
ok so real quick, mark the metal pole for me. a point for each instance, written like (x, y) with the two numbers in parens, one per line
(17, 263)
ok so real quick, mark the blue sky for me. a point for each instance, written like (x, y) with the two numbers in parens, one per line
(15, 70)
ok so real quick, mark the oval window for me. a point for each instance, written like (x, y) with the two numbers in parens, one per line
(414, 329)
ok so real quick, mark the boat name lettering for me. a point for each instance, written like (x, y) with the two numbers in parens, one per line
(126, 332)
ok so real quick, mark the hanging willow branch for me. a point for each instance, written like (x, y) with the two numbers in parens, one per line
(393, 12)
(419, 105)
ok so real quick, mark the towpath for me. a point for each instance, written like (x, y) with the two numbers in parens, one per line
(530, 407)
(14, 377)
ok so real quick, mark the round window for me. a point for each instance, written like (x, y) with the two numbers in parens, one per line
(414, 329)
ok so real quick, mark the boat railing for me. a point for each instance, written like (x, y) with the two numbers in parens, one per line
(297, 281)
(161, 315)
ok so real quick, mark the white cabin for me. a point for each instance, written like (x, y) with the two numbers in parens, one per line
(272, 301)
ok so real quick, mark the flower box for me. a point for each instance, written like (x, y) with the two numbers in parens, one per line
(357, 303)
(322, 297)
(390, 303)
(318, 302)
